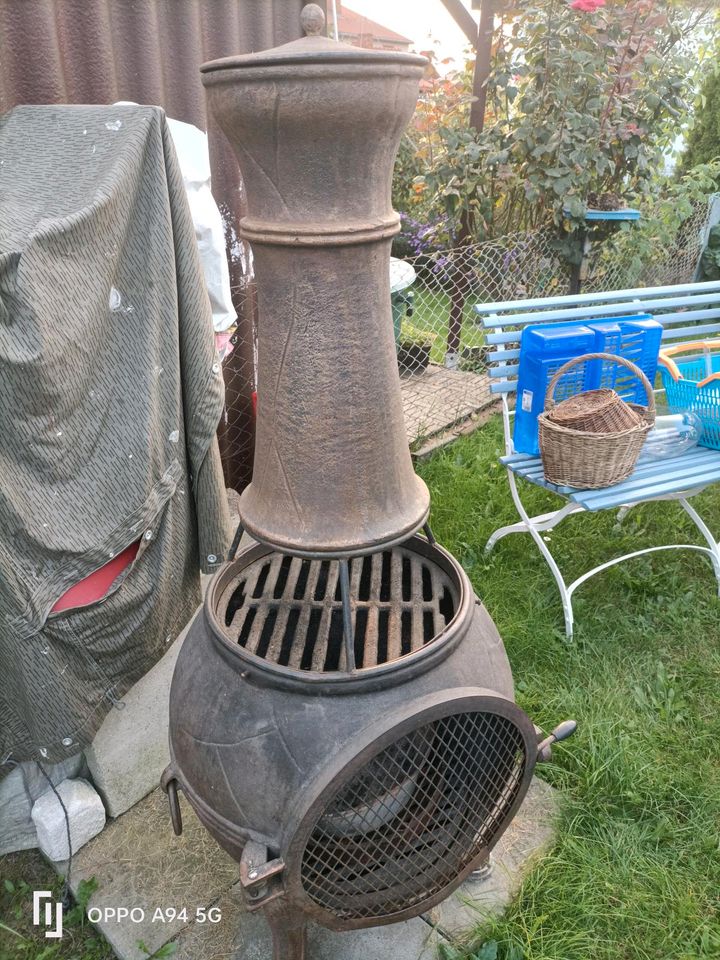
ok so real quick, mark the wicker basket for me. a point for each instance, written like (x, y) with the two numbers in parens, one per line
(596, 411)
(589, 459)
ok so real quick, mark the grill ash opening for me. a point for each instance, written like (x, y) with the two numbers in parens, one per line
(288, 610)
(412, 818)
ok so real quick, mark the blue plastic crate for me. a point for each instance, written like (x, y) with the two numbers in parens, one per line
(636, 339)
(545, 347)
(684, 387)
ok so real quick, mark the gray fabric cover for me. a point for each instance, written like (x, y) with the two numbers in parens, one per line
(110, 394)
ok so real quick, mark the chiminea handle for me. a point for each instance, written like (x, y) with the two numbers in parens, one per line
(170, 785)
(561, 732)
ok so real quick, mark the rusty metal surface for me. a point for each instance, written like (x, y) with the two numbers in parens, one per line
(308, 121)
(342, 703)
(150, 51)
(414, 816)
(432, 776)
(223, 695)
(288, 610)
(382, 674)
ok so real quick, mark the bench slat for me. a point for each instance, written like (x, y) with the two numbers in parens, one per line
(666, 319)
(506, 370)
(531, 466)
(509, 336)
(646, 471)
(605, 296)
(495, 356)
(503, 386)
(578, 313)
(660, 489)
(679, 476)
(651, 478)
(689, 333)
(669, 332)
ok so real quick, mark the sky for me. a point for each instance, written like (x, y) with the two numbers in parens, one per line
(420, 20)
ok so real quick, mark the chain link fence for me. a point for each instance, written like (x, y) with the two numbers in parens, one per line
(608, 266)
(441, 351)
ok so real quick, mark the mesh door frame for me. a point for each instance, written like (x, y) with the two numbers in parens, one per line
(370, 742)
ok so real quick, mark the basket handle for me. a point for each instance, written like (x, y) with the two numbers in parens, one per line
(623, 361)
(667, 352)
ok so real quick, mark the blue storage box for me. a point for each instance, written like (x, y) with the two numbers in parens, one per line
(545, 347)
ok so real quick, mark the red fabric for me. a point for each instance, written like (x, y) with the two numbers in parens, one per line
(96, 585)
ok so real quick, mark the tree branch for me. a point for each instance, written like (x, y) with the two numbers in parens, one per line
(463, 18)
(483, 64)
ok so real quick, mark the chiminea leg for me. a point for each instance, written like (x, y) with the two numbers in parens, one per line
(289, 932)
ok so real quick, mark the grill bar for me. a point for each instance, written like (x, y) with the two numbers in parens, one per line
(290, 611)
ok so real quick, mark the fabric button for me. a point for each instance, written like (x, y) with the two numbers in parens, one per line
(148, 535)
(212, 558)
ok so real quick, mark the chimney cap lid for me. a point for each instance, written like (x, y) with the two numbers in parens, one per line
(314, 49)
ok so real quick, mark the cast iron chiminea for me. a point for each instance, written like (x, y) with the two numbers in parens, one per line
(341, 714)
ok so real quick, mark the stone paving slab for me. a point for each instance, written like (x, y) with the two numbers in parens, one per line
(437, 399)
(427, 448)
(139, 863)
(130, 750)
(246, 936)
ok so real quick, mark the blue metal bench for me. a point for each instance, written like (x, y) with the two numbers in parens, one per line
(687, 312)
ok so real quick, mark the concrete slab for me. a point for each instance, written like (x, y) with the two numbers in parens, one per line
(246, 936)
(139, 863)
(424, 450)
(527, 839)
(437, 399)
(130, 750)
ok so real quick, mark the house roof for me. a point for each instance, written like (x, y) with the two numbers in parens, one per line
(355, 24)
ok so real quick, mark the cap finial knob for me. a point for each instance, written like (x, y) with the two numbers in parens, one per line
(312, 19)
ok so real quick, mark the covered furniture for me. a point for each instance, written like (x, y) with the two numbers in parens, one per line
(110, 395)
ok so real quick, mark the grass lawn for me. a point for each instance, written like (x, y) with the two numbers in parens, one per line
(20, 874)
(635, 874)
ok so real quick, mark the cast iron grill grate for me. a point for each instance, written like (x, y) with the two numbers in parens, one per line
(288, 610)
(414, 817)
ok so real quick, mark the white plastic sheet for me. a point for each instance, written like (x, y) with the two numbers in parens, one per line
(191, 145)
